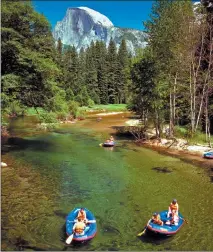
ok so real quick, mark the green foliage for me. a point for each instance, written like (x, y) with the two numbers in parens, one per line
(108, 107)
(69, 94)
(73, 108)
(143, 76)
(78, 99)
(15, 108)
(58, 102)
(185, 132)
(28, 67)
(62, 116)
(34, 111)
(48, 117)
(181, 132)
(84, 96)
(90, 103)
(81, 114)
(4, 120)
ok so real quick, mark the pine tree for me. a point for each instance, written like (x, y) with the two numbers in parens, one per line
(59, 50)
(124, 72)
(101, 54)
(112, 68)
(71, 66)
(82, 68)
(91, 72)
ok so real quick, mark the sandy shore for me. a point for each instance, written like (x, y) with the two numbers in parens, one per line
(178, 148)
(109, 113)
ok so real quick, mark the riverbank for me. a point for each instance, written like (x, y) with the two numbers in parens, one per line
(179, 144)
(177, 148)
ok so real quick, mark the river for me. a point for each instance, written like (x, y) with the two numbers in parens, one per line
(50, 173)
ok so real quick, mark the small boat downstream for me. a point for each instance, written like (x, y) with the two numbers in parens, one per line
(208, 154)
(89, 232)
(108, 144)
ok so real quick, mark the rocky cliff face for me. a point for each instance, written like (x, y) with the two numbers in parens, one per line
(82, 25)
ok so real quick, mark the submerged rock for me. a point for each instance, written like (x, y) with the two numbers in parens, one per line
(3, 164)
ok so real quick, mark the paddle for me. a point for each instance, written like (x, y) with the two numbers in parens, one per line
(144, 230)
(91, 221)
(69, 239)
(88, 221)
(183, 220)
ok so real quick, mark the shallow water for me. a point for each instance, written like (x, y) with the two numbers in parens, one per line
(51, 173)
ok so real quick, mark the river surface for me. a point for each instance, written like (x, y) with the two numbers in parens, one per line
(50, 173)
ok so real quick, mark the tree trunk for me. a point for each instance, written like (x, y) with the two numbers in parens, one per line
(171, 124)
(174, 100)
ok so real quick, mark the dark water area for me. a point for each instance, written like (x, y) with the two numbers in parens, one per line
(50, 173)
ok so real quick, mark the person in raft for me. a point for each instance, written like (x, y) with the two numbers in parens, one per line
(174, 218)
(79, 227)
(156, 219)
(111, 139)
(173, 207)
(82, 215)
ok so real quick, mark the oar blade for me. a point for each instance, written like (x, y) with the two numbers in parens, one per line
(69, 239)
(91, 221)
(143, 232)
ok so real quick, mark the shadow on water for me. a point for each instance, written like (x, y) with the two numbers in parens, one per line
(162, 169)
(16, 143)
(63, 234)
(155, 239)
(61, 214)
(122, 133)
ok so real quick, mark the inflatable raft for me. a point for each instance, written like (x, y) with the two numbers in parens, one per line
(90, 230)
(166, 230)
(108, 144)
(208, 154)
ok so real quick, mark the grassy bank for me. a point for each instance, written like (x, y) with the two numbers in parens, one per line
(108, 107)
(101, 107)
(198, 138)
(32, 111)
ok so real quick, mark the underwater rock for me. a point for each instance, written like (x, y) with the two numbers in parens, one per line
(3, 164)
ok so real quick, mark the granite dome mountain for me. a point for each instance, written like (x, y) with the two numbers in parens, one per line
(82, 25)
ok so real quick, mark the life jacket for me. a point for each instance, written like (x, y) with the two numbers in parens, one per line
(173, 207)
(156, 219)
(81, 215)
(79, 228)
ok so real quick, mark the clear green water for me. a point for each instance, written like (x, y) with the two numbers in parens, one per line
(51, 173)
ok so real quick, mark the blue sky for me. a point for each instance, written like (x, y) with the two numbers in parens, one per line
(128, 14)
